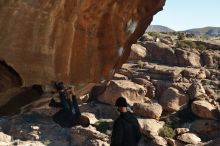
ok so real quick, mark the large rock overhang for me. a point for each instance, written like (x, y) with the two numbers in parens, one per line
(78, 42)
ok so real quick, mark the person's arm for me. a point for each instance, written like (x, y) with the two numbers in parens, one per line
(117, 134)
(75, 106)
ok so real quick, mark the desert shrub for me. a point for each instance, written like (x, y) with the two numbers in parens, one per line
(180, 44)
(212, 66)
(191, 44)
(181, 36)
(103, 126)
(201, 47)
(155, 34)
(167, 131)
(186, 44)
(140, 63)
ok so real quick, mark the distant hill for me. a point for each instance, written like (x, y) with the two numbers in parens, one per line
(210, 31)
(159, 28)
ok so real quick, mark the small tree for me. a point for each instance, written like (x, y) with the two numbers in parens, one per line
(167, 131)
(201, 47)
(181, 36)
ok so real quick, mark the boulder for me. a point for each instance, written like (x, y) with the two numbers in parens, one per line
(148, 110)
(5, 138)
(203, 109)
(173, 100)
(24, 133)
(192, 73)
(208, 74)
(173, 142)
(146, 37)
(97, 91)
(4, 143)
(214, 142)
(162, 72)
(147, 85)
(28, 143)
(91, 117)
(188, 58)
(207, 58)
(141, 81)
(98, 111)
(156, 141)
(181, 130)
(210, 92)
(206, 129)
(126, 72)
(159, 141)
(210, 58)
(140, 75)
(167, 41)
(189, 138)
(138, 52)
(131, 91)
(201, 74)
(196, 91)
(150, 127)
(156, 51)
(83, 136)
(120, 77)
(94, 142)
(161, 86)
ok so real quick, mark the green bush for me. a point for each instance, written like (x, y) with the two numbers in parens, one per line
(103, 126)
(201, 47)
(212, 66)
(140, 64)
(167, 131)
(186, 44)
(181, 36)
(180, 44)
(155, 34)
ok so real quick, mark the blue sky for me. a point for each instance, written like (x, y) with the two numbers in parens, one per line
(186, 14)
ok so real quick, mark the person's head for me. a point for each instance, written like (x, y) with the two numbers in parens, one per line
(84, 121)
(122, 104)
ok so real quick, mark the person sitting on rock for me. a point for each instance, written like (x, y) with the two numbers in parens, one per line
(126, 129)
(65, 116)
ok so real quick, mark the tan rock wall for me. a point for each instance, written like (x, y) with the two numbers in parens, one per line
(75, 41)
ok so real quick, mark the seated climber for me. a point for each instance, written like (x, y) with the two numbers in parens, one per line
(65, 116)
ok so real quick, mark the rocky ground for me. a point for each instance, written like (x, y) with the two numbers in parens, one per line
(171, 81)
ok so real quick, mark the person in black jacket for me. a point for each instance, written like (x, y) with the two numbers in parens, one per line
(126, 129)
(65, 117)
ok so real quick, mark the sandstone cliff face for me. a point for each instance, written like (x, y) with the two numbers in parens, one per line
(79, 42)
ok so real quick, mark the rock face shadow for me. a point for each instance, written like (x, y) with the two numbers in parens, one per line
(9, 78)
(24, 97)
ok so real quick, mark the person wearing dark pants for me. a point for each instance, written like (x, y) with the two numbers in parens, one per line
(126, 129)
(65, 117)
